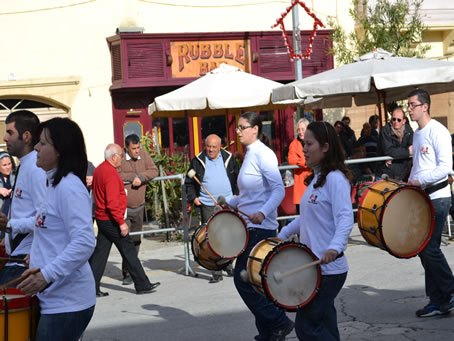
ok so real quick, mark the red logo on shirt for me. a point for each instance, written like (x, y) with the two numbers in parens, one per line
(313, 198)
(40, 220)
(424, 150)
(18, 193)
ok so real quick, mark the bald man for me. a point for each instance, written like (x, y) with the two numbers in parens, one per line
(217, 170)
(111, 201)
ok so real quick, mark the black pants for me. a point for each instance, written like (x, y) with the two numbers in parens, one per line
(134, 219)
(108, 233)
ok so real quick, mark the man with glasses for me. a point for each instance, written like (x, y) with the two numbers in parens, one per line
(395, 140)
(110, 198)
(432, 162)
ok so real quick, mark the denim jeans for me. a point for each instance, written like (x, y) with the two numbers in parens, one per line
(317, 321)
(268, 317)
(438, 275)
(63, 326)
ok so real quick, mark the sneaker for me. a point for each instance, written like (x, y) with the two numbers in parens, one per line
(279, 335)
(447, 307)
(429, 310)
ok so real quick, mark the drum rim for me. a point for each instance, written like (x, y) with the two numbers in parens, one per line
(380, 226)
(266, 262)
(245, 227)
(17, 303)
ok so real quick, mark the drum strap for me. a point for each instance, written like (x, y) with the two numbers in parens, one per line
(432, 189)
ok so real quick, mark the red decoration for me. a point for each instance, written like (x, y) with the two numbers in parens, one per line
(280, 23)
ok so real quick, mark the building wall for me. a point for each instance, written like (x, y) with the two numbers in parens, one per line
(66, 39)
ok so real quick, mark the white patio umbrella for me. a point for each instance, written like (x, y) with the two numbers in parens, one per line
(225, 89)
(375, 77)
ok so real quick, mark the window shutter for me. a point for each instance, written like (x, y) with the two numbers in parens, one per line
(146, 60)
(116, 62)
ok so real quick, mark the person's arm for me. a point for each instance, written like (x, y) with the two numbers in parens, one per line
(37, 191)
(270, 172)
(288, 230)
(339, 192)
(151, 171)
(114, 204)
(235, 170)
(192, 188)
(74, 208)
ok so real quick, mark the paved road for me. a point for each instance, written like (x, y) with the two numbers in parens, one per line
(377, 302)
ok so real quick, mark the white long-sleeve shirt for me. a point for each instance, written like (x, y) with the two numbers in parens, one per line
(63, 242)
(260, 184)
(432, 157)
(326, 220)
(27, 198)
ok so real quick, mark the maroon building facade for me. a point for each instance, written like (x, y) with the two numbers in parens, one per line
(148, 65)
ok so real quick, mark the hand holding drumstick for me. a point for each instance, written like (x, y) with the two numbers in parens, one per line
(32, 282)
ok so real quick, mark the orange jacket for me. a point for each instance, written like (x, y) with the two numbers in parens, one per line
(296, 157)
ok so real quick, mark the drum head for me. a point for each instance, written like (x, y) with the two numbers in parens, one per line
(407, 222)
(227, 234)
(297, 289)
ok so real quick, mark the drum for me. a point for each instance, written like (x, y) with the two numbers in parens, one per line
(272, 255)
(223, 238)
(396, 217)
(18, 316)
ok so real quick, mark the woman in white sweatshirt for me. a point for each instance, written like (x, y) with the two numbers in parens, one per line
(324, 225)
(63, 240)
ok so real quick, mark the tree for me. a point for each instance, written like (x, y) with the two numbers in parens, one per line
(393, 25)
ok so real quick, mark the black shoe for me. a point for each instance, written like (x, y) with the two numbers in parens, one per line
(279, 335)
(127, 280)
(215, 279)
(102, 294)
(148, 290)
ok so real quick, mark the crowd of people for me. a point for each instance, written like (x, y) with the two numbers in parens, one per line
(49, 204)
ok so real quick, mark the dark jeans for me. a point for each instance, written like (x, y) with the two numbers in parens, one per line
(438, 275)
(317, 321)
(8, 273)
(64, 326)
(268, 317)
(108, 233)
(134, 220)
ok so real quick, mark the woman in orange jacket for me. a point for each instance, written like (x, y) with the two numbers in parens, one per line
(296, 157)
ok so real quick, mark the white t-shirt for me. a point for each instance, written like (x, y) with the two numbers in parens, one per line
(432, 157)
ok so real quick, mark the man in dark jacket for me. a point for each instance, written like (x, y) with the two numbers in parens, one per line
(396, 139)
(217, 170)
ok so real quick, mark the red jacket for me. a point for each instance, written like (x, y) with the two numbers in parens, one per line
(296, 157)
(109, 192)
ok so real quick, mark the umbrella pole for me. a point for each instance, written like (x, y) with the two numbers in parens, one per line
(379, 109)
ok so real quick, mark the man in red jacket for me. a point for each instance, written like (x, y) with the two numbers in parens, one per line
(110, 198)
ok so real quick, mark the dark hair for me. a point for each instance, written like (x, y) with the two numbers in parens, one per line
(423, 97)
(346, 118)
(68, 140)
(254, 120)
(133, 138)
(339, 122)
(373, 118)
(334, 158)
(25, 120)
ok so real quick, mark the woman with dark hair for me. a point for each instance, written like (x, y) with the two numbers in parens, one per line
(324, 225)
(261, 192)
(63, 240)
(7, 177)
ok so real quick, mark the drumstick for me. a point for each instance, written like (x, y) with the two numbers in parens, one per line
(191, 174)
(221, 201)
(278, 276)
(16, 260)
(19, 279)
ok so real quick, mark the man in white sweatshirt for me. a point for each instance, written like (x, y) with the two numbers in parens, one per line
(432, 162)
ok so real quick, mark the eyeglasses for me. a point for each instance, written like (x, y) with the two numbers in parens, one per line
(396, 119)
(414, 105)
(241, 128)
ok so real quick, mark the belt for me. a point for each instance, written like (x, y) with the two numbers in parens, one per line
(432, 189)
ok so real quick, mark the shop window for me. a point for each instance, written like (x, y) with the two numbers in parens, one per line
(162, 128)
(132, 127)
(181, 135)
(269, 127)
